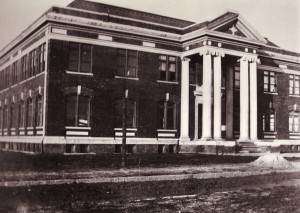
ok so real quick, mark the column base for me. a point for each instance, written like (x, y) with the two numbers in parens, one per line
(206, 139)
(244, 140)
(184, 139)
(219, 139)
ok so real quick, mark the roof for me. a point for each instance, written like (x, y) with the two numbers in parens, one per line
(129, 13)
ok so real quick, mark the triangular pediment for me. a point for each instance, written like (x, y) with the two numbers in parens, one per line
(235, 25)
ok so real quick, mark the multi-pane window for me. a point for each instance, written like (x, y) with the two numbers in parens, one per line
(167, 115)
(269, 119)
(130, 113)
(80, 57)
(127, 63)
(29, 113)
(294, 85)
(41, 54)
(269, 81)
(39, 111)
(22, 114)
(167, 68)
(78, 111)
(237, 79)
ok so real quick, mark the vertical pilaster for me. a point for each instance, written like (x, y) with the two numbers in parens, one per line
(253, 101)
(207, 96)
(244, 100)
(217, 97)
(184, 111)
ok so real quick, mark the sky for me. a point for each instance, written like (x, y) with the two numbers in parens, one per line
(277, 20)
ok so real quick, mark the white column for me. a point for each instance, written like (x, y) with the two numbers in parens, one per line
(196, 120)
(244, 100)
(207, 99)
(253, 101)
(217, 97)
(184, 111)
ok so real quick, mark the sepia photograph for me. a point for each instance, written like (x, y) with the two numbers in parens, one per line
(149, 106)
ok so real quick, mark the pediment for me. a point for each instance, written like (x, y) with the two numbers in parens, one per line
(235, 25)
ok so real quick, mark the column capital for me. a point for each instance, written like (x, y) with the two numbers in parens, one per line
(185, 59)
(250, 59)
(213, 52)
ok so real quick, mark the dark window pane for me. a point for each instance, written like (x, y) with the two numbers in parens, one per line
(162, 75)
(118, 112)
(161, 115)
(85, 67)
(39, 112)
(83, 111)
(130, 119)
(73, 56)
(71, 110)
(131, 72)
(29, 114)
(170, 116)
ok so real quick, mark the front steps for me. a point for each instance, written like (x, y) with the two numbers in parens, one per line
(250, 147)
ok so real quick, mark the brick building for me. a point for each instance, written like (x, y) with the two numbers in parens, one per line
(191, 87)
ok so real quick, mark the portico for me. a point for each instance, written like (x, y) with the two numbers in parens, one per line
(218, 65)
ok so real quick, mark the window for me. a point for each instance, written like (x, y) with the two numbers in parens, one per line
(78, 111)
(29, 113)
(196, 74)
(167, 68)
(22, 114)
(294, 119)
(23, 67)
(41, 58)
(1, 120)
(237, 79)
(130, 113)
(294, 87)
(80, 57)
(269, 81)
(269, 119)
(167, 115)
(13, 119)
(127, 63)
(39, 111)
(5, 117)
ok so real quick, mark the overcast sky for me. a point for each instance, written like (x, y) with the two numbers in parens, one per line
(278, 20)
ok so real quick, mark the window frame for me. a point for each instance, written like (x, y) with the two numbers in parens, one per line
(293, 119)
(292, 89)
(76, 116)
(134, 117)
(167, 71)
(21, 114)
(126, 57)
(29, 113)
(165, 105)
(269, 75)
(237, 86)
(79, 58)
(39, 111)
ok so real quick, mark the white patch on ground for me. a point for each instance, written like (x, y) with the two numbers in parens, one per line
(271, 160)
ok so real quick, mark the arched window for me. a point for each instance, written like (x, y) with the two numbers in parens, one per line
(167, 115)
(269, 119)
(21, 114)
(29, 113)
(78, 111)
(294, 119)
(39, 110)
(130, 113)
(13, 123)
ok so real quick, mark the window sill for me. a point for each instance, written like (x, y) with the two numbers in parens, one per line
(168, 82)
(294, 134)
(167, 130)
(127, 129)
(271, 133)
(271, 93)
(77, 127)
(296, 96)
(79, 73)
(127, 78)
